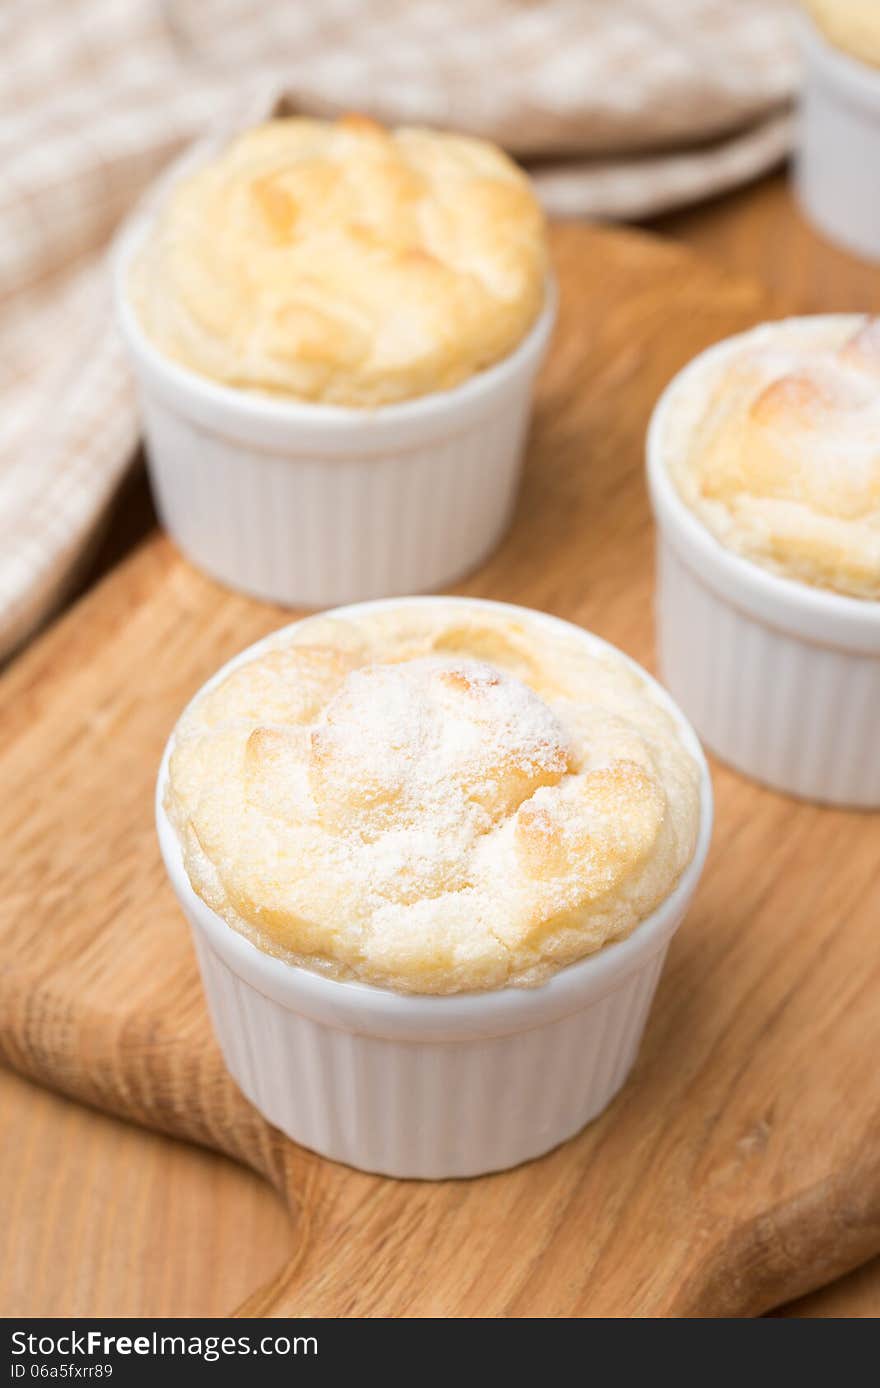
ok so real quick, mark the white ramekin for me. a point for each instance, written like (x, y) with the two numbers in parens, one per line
(780, 679)
(837, 164)
(311, 505)
(431, 1087)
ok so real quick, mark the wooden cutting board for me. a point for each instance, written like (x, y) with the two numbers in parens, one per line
(739, 1167)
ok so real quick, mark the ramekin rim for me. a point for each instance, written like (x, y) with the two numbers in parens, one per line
(861, 78)
(255, 407)
(507, 1008)
(751, 577)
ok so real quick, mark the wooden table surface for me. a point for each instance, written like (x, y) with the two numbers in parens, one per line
(87, 1232)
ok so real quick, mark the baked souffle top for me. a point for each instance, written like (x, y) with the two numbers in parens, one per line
(344, 263)
(851, 25)
(432, 797)
(775, 444)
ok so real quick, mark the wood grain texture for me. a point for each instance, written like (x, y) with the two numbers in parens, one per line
(760, 230)
(741, 1164)
(854, 1297)
(100, 1218)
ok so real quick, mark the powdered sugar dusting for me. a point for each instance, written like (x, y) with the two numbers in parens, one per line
(431, 819)
(773, 441)
(435, 741)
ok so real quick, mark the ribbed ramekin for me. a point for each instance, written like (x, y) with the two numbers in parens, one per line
(431, 1087)
(780, 679)
(310, 505)
(837, 164)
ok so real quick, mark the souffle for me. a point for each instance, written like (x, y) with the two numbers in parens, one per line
(343, 263)
(432, 797)
(775, 445)
(851, 25)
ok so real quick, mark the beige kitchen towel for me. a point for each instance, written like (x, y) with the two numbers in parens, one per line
(621, 108)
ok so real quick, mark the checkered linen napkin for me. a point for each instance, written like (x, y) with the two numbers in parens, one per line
(620, 107)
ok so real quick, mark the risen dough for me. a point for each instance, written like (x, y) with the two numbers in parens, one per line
(344, 263)
(776, 446)
(432, 798)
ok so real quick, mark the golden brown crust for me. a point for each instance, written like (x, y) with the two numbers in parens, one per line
(379, 801)
(344, 263)
(775, 445)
